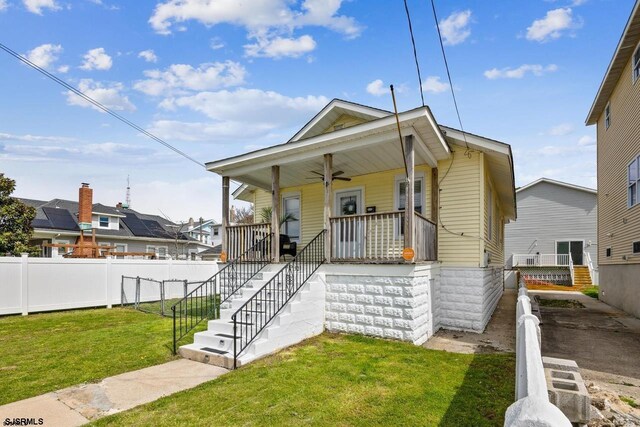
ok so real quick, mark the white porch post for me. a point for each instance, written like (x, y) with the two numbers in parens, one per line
(409, 228)
(328, 178)
(225, 215)
(275, 213)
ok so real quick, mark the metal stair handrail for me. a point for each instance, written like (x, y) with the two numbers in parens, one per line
(204, 301)
(259, 310)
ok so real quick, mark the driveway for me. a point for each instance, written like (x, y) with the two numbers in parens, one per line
(604, 341)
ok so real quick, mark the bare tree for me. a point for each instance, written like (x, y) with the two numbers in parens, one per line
(243, 215)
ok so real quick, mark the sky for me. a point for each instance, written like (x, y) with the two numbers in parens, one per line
(216, 78)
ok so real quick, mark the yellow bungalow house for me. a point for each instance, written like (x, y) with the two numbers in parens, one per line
(364, 262)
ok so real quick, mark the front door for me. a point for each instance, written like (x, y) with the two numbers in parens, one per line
(349, 232)
(575, 248)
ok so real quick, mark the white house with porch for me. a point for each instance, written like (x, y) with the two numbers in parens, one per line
(364, 262)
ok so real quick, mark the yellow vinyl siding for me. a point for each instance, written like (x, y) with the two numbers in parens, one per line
(346, 121)
(494, 243)
(378, 190)
(618, 225)
(459, 234)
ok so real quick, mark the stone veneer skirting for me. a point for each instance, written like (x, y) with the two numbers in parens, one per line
(468, 296)
(390, 301)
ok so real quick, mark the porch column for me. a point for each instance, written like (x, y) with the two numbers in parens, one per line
(435, 205)
(328, 178)
(409, 223)
(275, 213)
(225, 214)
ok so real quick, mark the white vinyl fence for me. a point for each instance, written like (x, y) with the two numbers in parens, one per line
(30, 285)
(532, 406)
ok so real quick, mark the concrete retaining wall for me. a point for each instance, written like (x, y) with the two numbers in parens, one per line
(620, 287)
(469, 296)
(390, 301)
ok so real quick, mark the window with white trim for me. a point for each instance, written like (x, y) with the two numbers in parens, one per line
(607, 116)
(291, 207)
(636, 64)
(401, 198)
(633, 184)
(104, 222)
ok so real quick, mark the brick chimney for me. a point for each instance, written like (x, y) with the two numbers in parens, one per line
(85, 206)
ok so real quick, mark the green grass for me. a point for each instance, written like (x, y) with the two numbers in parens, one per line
(344, 380)
(629, 401)
(560, 303)
(591, 291)
(50, 351)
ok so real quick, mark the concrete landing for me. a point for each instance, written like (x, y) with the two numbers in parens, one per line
(81, 404)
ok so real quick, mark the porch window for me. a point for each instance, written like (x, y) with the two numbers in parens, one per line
(291, 208)
(636, 64)
(634, 181)
(607, 116)
(401, 198)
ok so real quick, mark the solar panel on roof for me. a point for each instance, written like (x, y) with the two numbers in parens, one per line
(60, 218)
(136, 226)
(156, 229)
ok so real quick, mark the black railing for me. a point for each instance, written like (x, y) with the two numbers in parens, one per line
(204, 301)
(252, 317)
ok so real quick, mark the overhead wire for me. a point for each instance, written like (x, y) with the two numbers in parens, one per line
(415, 54)
(98, 104)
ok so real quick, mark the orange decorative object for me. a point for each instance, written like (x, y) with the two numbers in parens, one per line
(408, 254)
(223, 256)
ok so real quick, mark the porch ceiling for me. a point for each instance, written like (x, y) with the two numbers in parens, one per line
(357, 150)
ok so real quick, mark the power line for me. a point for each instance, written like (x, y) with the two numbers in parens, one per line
(446, 64)
(98, 104)
(415, 54)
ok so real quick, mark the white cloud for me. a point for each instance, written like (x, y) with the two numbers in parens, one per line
(3, 5)
(222, 131)
(44, 55)
(36, 6)
(561, 129)
(96, 59)
(433, 84)
(34, 138)
(553, 25)
(377, 88)
(104, 5)
(586, 141)
(216, 43)
(455, 28)
(279, 47)
(108, 95)
(148, 55)
(520, 72)
(262, 15)
(63, 69)
(181, 77)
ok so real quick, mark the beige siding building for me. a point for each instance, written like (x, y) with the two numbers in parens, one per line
(616, 112)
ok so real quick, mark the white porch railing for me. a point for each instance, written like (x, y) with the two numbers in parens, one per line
(589, 262)
(243, 236)
(571, 269)
(541, 260)
(379, 237)
(532, 406)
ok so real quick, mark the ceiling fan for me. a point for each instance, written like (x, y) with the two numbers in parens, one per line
(334, 176)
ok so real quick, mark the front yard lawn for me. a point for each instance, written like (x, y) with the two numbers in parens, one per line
(340, 380)
(49, 351)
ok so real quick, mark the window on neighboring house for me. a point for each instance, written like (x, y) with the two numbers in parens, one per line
(291, 206)
(104, 222)
(490, 214)
(608, 252)
(215, 231)
(636, 247)
(636, 64)
(633, 186)
(607, 116)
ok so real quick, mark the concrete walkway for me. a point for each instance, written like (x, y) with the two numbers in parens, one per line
(604, 341)
(498, 337)
(80, 404)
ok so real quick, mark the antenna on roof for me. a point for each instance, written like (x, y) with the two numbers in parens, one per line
(128, 198)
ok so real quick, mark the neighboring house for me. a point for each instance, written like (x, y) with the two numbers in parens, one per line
(205, 231)
(556, 230)
(616, 111)
(59, 221)
(373, 258)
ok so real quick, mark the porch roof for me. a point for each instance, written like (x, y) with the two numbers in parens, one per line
(358, 150)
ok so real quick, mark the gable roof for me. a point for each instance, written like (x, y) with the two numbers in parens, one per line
(334, 109)
(560, 183)
(626, 46)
